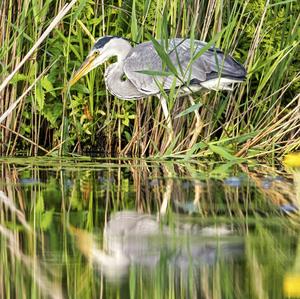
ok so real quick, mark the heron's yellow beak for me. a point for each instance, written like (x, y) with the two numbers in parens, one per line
(83, 70)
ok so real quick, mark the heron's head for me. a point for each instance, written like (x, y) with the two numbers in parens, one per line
(104, 48)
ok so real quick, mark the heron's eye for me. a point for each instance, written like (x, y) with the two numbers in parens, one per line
(124, 78)
(97, 52)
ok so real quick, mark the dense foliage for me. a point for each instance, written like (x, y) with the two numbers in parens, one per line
(260, 117)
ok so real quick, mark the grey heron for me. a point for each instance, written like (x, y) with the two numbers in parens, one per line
(131, 78)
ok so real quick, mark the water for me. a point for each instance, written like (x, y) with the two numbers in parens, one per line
(83, 228)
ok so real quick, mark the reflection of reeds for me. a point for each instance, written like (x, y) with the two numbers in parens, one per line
(9, 204)
(291, 283)
(195, 193)
(281, 191)
(184, 187)
(42, 277)
(86, 194)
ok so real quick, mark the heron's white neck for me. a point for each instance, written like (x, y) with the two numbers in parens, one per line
(115, 83)
(119, 47)
(120, 88)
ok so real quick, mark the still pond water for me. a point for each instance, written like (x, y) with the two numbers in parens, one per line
(92, 228)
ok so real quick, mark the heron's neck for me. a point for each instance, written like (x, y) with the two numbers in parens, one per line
(118, 85)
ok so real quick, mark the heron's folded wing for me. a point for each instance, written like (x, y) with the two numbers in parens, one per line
(144, 58)
(211, 64)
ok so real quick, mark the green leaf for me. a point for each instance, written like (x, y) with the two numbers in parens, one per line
(134, 24)
(189, 110)
(18, 77)
(47, 85)
(81, 88)
(40, 96)
(127, 136)
(221, 151)
(280, 3)
(52, 112)
(206, 47)
(223, 169)
(194, 149)
(163, 55)
(72, 48)
(272, 67)
(155, 73)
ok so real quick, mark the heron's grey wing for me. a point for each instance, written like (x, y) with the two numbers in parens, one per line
(181, 53)
(211, 64)
(216, 64)
(143, 58)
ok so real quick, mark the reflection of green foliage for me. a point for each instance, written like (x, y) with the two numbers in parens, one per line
(61, 199)
(89, 120)
(268, 253)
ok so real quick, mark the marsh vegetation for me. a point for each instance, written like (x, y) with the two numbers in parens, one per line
(259, 118)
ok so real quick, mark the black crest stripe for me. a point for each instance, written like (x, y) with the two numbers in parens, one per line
(100, 43)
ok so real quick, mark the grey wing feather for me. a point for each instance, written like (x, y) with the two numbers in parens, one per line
(211, 64)
(143, 58)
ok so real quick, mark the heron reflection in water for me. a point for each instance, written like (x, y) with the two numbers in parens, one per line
(132, 238)
(133, 75)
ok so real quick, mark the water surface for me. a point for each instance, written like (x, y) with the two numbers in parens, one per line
(92, 228)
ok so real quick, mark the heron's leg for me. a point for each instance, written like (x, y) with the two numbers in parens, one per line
(168, 120)
(199, 124)
(166, 112)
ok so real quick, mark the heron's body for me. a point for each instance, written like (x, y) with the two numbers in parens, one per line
(211, 70)
(208, 71)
